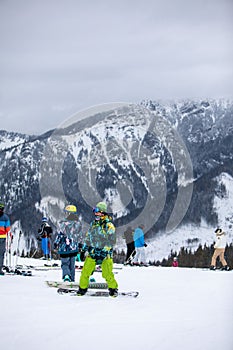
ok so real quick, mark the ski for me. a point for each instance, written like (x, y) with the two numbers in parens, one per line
(97, 293)
(51, 265)
(16, 271)
(61, 284)
(77, 269)
(118, 266)
(23, 272)
(39, 267)
(214, 270)
(98, 269)
(47, 268)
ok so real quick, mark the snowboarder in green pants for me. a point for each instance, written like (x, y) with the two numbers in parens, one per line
(98, 245)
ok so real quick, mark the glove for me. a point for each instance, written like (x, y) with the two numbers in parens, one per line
(83, 247)
(91, 250)
(80, 247)
(145, 245)
(107, 249)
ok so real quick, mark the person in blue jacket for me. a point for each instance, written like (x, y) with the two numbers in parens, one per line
(139, 242)
(67, 242)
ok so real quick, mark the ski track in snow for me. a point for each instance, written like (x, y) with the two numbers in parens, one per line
(178, 308)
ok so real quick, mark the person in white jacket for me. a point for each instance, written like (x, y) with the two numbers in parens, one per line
(219, 250)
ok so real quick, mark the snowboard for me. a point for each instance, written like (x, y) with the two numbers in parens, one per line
(61, 284)
(96, 293)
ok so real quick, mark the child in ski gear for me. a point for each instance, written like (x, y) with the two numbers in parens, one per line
(67, 242)
(139, 242)
(219, 250)
(128, 236)
(45, 232)
(175, 262)
(98, 245)
(4, 234)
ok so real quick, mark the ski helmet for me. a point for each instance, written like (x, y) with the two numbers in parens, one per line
(71, 209)
(44, 219)
(102, 207)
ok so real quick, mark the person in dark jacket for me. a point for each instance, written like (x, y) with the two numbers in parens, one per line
(45, 232)
(4, 234)
(67, 242)
(129, 239)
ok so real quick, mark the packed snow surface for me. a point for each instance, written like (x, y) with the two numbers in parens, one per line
(177, 308)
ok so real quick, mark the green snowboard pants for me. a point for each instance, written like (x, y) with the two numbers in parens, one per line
(107, 274)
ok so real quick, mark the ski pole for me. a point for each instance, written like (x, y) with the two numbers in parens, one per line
(17, 251)
(11, 243)
(50, 249)
(36, 250)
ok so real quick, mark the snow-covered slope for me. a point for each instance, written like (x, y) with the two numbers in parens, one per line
(190, 235)
(223, 202)
(176, 308)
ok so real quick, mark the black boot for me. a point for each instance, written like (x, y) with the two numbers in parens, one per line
(225, 268)
(81, 291)
(212, 267)
(113, 292)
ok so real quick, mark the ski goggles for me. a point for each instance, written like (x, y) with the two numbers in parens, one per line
(96, 210)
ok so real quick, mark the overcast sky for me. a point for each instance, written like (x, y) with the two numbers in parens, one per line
(60, 56)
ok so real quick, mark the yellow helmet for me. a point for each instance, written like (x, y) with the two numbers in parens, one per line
(71, 209)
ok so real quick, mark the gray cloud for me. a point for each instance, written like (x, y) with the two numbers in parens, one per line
(61, 56)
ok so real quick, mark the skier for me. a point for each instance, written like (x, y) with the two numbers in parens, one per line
(45, 232)
(219, 250)
(139, 241)
(4, 234)
(67, 242)
(128, 236)
(98, 245)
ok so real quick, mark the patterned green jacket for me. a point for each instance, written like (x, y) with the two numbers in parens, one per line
(100, 238)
